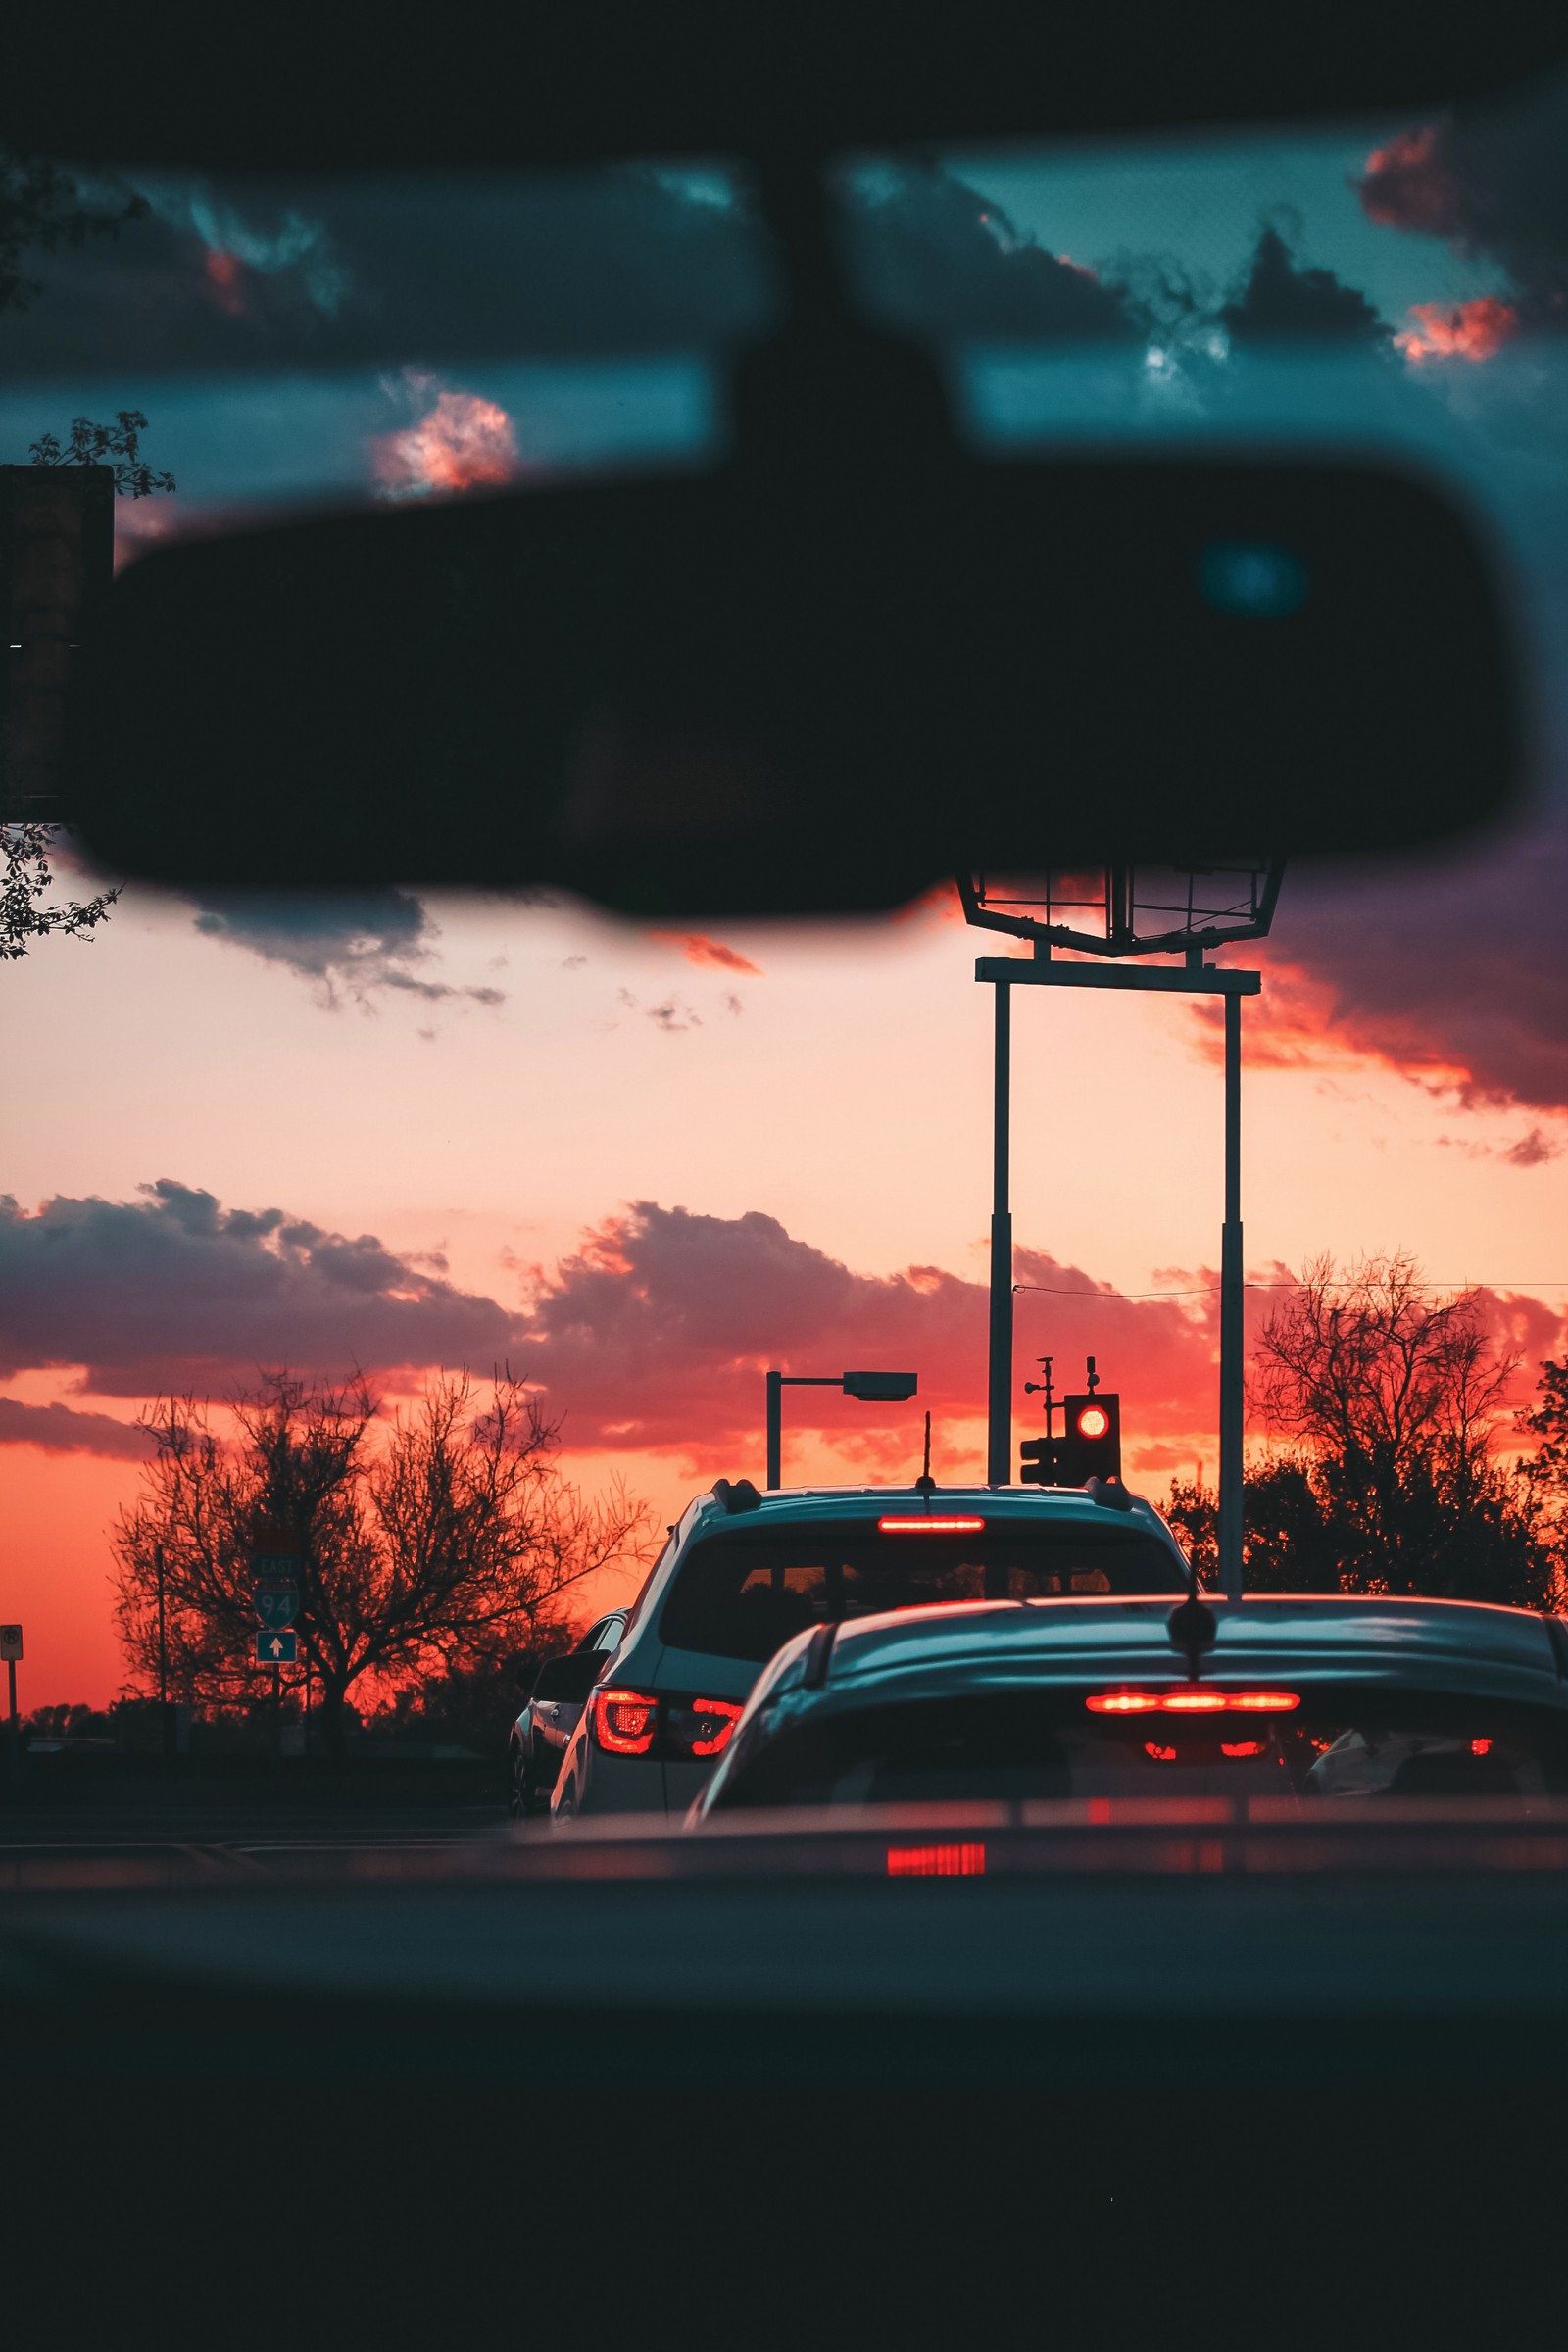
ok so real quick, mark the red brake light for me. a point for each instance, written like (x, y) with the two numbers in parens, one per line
(936, 1861)
(1093, 1421)
(1191, 1699)
(932, 1526)
(723, 1714)
(625, 1722)
(1243, 1747)
(1161, 1755)
(1481, 1747)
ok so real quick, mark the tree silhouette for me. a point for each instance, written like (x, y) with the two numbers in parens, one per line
(42, 207)
(426, 1538)
(1389, 1402)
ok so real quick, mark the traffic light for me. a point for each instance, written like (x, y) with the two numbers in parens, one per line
(1040, 1458)
(1092, 1446)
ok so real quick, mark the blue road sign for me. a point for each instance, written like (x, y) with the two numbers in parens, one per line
(276, 1605)
(277, 1650)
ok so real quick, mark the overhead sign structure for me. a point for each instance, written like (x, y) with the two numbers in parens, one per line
(276, 1605)
(279, 1649)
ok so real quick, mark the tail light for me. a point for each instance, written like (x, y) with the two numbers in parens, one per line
(936, 1861)
(669, 1726)
(625, 1722)
(930, 1525)
(1191, 1699)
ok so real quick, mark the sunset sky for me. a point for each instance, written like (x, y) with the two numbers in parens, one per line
(411, 1131)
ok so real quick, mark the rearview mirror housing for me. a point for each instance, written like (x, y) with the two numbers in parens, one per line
(767, 692)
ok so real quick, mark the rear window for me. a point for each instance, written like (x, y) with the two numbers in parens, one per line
(742, 1596)
(1016, 1744)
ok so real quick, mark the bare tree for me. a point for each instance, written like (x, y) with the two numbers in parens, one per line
(1393, 1398)
(424, 1537)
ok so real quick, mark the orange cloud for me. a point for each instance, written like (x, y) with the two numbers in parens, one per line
(1459, 330)
(710, 954)
(461, 442)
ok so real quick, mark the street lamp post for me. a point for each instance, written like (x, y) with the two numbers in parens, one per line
(872, 1388)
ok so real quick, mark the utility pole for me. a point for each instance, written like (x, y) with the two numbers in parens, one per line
(1232, 1383)
(999, 1407)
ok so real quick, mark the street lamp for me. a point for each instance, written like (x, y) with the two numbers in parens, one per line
(872, 1388)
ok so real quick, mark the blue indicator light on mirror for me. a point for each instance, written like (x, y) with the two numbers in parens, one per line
(1255, 581)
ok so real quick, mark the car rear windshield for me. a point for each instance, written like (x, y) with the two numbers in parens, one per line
(741, 1596)
(1014, 1744)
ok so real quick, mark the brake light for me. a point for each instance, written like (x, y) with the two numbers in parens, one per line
(1189, 1699)
(1161, 1755)
(723, 1714)
(936, 1861)
(1481, 1747)
(924, 1526)
(1243, 1747)
(625, 1722)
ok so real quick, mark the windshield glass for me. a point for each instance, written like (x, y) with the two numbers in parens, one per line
(1017, 1744)
(742, 1596)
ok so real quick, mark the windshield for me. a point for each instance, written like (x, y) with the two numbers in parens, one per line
(743, 1596)
(1018, 1745)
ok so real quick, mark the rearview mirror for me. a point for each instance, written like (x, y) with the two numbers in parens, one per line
(768, 691)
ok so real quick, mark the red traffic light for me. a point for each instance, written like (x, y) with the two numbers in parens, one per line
(1094, 1421)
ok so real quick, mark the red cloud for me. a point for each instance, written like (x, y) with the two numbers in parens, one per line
(1454, 973)
(656, 1334)
(710, 952)
(461, 442)
(1459, 330)
(1409, 186)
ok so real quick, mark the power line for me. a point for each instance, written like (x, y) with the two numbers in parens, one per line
(1210, 1290)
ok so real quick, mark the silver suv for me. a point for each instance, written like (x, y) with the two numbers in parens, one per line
(744, 1572)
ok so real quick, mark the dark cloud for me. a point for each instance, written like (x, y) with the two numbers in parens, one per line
(935, 255)
(173, 1292)
(231, 277)
(1460, 967)
(623, 260)
(1280, 297)
(348, 943)
(59, 1430)
(659, 1331)
(1494, 185)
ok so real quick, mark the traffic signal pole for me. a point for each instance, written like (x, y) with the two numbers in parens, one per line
(999, 1413)
(1232, 1343)
(1195, 978)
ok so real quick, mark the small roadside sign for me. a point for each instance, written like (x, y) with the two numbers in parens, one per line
(278, 1649)
(10, 1641)
(276, 1605)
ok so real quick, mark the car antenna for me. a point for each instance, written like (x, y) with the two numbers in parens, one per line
(925, 1483)
(1192, 1624)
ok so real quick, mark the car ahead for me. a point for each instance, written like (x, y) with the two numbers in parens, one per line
(1294, 1697)
(554, 1707)
(744, 1572)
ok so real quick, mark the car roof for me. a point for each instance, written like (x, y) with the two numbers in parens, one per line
(1303, 1635)
(795, 1507)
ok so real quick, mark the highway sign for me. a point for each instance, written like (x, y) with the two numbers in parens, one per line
(277, 1650)
(276, 1605)
(10, 1641)
(274, 1567)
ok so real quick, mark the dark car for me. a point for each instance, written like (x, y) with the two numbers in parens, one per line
(552, 1710)
(1299, 1699)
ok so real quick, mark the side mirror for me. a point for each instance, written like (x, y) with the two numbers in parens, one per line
(571, 1677)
